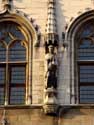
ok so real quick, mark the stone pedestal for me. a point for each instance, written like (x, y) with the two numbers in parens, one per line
(50, 101)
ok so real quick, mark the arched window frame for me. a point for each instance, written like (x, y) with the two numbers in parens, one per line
(31, 38)
(72, 53)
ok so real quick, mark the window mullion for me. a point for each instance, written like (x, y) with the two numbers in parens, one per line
(7, 79)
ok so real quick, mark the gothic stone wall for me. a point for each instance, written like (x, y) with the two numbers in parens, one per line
(66, 10)
(78, 116)
(27, 117)
(74, 116)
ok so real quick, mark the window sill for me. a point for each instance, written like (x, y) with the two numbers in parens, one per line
(37, 106)
(77, 105)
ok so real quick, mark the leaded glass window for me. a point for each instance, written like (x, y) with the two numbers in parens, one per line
(17, 84)
(2, 84)
(13, 62)
(85, 62)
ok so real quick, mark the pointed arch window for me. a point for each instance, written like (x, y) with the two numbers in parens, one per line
(85, 63)
(13, 64)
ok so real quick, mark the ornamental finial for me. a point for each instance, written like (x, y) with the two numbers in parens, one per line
(51, 24)
(7, 4)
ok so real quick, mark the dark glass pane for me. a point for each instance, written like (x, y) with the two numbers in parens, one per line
(17, 85)
(17, 95)
(1, 95)
(2, 75)
(2, 53)
(17, 52)
(2, 84)
(8, 38)
(87, 74)
(87, 84)
(18, 75)
(18, 33)
(87, 94)
(9, 31)
(86, 51)
(87, 29)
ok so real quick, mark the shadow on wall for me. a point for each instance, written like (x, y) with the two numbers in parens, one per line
(61, 18)
(63, 77)
(77, 116)
(72, 113)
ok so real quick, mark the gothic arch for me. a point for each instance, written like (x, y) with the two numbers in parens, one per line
(71, 34)
(77, 22)
(23, 24)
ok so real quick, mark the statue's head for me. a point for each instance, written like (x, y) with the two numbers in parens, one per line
(51, 48)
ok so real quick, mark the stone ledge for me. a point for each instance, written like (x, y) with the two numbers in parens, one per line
(39, 106)
(77, 105)
(31, 106)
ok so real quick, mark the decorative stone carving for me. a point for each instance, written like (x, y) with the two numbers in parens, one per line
(51, 68)
(7, 4)
(50, 102)
(50, 96)
(37, 28)
(51, 61)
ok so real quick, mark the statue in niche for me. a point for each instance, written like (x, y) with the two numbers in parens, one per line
(51, 68)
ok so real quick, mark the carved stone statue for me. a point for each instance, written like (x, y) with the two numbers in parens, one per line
(51, 68)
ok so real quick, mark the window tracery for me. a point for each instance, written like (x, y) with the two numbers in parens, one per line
(85, 63)
(13, 63)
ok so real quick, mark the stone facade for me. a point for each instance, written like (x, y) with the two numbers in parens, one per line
(68, 111)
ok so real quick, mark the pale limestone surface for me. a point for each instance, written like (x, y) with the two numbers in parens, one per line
(66, 9)
(37, 9)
